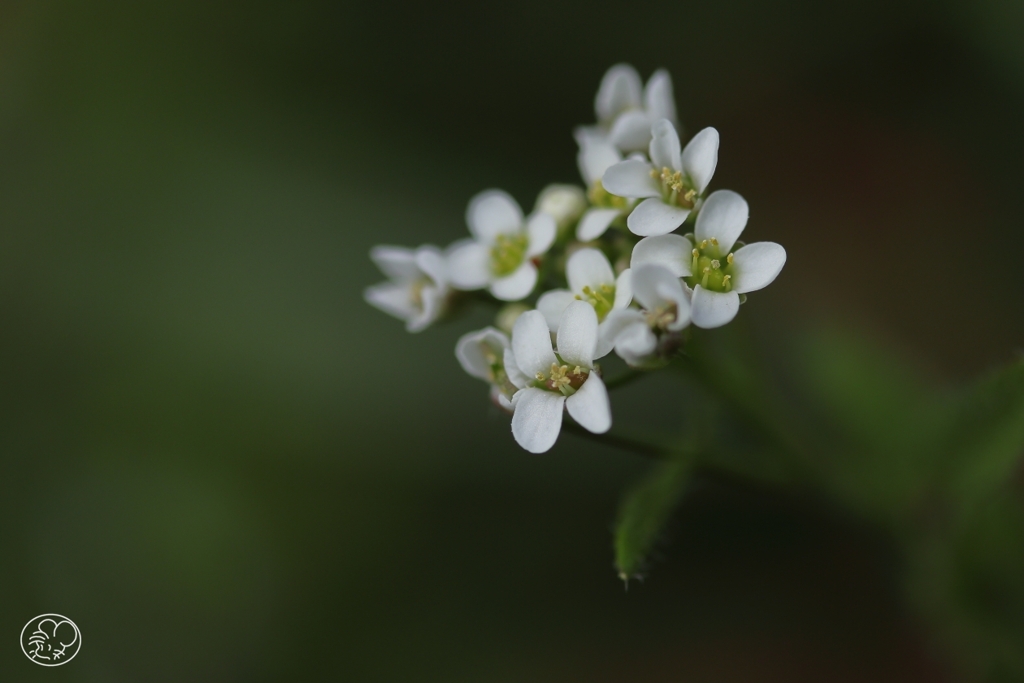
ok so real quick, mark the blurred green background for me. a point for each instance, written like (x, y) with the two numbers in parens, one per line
(224, 466)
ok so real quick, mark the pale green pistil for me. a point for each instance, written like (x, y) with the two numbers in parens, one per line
(507, 253)
(709, 269)
(675, 188)
(602, 299)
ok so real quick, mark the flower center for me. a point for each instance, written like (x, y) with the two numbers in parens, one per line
(562, 379)
(507, 253)
(709, 269)
(416, 291)
(660, 318)
(604, 199)
(675, 188)
(602, 299)
(497, 375)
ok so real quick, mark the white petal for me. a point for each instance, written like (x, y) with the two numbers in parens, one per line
(596, 156)
(515, 375)
(676, 293)
(469, 266)
(516, 286)
(472, 347)
(665, 146)
(577, 334)
(552, 304)
(500, 399)
(723, 217)
(432, 306)
(492, 213)
(757, 265)
(631, 132)
(623, 289)
(589, 406)
(648, 282)
(713, 309)
(394, 298)
(619, 91)
(635, 344)
(674, 252)
(655, 217)
(594, 223)
(537, 418)
(700, 157)
(433, 264)
(631, 178)
(659, 101)
(587, 134)
(613, 325)
(531, 344)
(588, 268)
(658, 287)
(398, 263)
(540, 232)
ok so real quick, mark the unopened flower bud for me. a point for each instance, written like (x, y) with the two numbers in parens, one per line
(508, 315)
(564, 203)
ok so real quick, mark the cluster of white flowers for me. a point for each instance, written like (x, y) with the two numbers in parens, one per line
(634, 284)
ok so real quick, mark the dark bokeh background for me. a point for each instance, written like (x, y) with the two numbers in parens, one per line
(224, 466)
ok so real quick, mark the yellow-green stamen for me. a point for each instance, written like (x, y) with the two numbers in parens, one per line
(507, 253)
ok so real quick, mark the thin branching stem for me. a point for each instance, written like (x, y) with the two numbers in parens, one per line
(621, 380)
(643, 448)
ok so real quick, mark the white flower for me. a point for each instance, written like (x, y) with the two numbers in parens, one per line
(715, 273)
(666, 309)
(624, 113)
(564, 203)
(482, 355)
(500, 254)
(591, 279)
(547, 381)
(672, 183)
(596, 156)
(418, 286)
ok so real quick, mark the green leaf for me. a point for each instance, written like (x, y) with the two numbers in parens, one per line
(876, 419)
(643, 513)
(985, 444)
(870, 394)
(969, 583)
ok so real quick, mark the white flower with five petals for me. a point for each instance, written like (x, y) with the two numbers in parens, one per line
(665, 311)
(552, 379)
(482, 355)
(671, 184)
(625, 110)
(591, 279)
(714, 273)
(418, 287)
(500, 255)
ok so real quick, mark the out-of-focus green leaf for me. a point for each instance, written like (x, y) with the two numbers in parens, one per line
(644, 511)
(985, 443)
(870, 393)
(969, 583)
(875, 417)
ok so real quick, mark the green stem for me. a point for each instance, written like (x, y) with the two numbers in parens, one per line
(643, 448)
(757, 420)
(621, 380)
